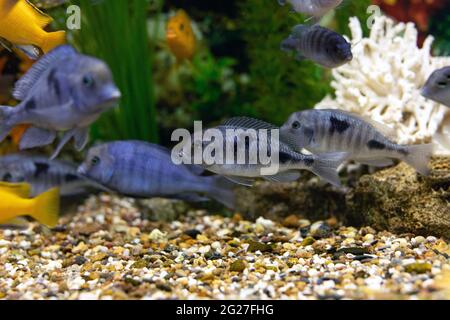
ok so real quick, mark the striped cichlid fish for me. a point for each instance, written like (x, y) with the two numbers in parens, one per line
(319, 44)
(63, 91)
(144, 170)
(43, 174)
(437, 87)
(365, 140)
(290, 162)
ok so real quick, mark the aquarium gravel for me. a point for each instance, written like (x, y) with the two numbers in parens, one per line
(108, 250)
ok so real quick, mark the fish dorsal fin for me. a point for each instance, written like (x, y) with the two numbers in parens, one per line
(299, 30)
(22, 190)
(249, 123)
(24, 85)
(40, 18)
(381, 127)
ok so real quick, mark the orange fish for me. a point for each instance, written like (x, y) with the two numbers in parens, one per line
(22, 25)
(180, 36)
(6, 82)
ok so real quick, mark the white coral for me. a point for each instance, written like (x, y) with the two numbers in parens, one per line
(384, 80)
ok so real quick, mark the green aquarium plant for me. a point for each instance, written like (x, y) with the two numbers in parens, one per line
(439, 28)
(116, 31)
(280, 84)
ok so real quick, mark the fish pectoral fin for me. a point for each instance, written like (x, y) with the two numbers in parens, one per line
(240, 180)
(36, 137)
(22, 190)
(284, 177)
(376, 162)
(30, 51)
(81, 137)
(65, 139)
(313, 20)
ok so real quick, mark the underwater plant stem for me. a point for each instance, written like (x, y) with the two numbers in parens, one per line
(116, 31)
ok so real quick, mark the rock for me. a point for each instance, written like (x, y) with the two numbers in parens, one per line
(238, 266)
(193, 233)
(140, 264)
(308, 241)
(309, 199)
(291, 221)
(98, 257)
(357, 251)
(258, 246)
(79, 260)
(319, 230)
(401, 201)
(159, 209)
(418, 268)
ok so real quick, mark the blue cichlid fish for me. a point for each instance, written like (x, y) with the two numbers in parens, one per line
(143, 170)
(314, 8)
(319, 44)
(44, 174)
(437, 87)
(63, 91)
(290, 162)
(365, 140)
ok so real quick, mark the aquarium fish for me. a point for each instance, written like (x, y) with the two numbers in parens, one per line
(22, 25)
(437, 87)
(319, 44)
(44, 174)
(366, 141)
(144, 170)
(16, 203)
(180, 36)
(290, 162)
(63, 91)
(314, 8)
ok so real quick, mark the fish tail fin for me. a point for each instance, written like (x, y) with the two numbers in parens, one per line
(53, 40)
(222, 191)
(6, 124)
(418, 157)
(326, 166)
(47, 208)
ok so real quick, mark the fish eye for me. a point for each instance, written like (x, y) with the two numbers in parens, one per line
(442, 84)
(296, 125)
(7, 177)
(95, 161)
(88, 80)
(182, 27)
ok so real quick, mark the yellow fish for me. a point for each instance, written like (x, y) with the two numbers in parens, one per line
(21, 24)
(15, 202)
(180, 36)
